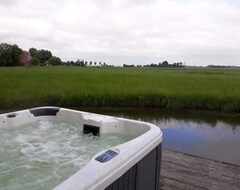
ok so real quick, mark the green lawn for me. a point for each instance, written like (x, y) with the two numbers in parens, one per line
(209, 89)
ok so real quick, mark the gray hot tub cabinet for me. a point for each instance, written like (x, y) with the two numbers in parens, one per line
(143, 175)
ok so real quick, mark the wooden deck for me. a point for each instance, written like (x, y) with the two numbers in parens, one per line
(181, 171)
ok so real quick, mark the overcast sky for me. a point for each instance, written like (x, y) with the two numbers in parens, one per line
(197, 32)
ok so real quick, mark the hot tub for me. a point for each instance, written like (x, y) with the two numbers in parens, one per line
(133, 165)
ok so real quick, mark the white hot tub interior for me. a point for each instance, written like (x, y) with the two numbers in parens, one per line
(41, 152)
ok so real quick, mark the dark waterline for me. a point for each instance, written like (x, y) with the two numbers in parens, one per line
(205, 134)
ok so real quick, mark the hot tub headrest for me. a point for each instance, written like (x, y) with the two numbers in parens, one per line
(44, 111)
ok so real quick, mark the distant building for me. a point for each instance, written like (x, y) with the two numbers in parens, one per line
(46, 63)
(25, 58)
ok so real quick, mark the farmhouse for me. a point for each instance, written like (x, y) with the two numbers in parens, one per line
(25, 58)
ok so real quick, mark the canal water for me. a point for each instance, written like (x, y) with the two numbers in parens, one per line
(205, 134)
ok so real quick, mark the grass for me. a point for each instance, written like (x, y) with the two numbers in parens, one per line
(208, 89)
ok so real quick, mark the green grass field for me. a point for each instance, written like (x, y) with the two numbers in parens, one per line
(208, 89)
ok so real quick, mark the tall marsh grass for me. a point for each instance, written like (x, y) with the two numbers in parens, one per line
(209, 89)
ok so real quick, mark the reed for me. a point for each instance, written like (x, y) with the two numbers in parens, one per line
(207, 89)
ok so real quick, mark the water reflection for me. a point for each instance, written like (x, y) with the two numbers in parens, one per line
(219, 143)
(206, 134)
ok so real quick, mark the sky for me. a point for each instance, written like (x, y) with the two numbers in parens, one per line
(118, 32)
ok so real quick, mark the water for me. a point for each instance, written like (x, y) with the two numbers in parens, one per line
(206, 134)
(44, 154)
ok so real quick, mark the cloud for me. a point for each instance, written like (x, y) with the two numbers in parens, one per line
(198, 32)
(8, 2)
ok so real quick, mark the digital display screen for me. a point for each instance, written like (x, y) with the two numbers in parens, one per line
(106, 156)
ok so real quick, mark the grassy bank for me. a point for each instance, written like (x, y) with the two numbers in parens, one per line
(208, 89)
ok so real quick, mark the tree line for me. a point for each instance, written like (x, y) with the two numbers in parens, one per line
(83, 63)
(10, 55)
(163, 64)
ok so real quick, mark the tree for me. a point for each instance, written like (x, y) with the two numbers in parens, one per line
(10, 55)
(35, 61)
(165, 63)
(16, 52)
(55, 60)
(43, 55)
(80, 63)
(5, 54)
(153, 65)
(33, 52)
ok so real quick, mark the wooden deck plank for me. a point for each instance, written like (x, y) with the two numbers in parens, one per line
(182, 171)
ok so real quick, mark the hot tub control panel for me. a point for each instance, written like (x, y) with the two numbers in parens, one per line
(106, 156)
